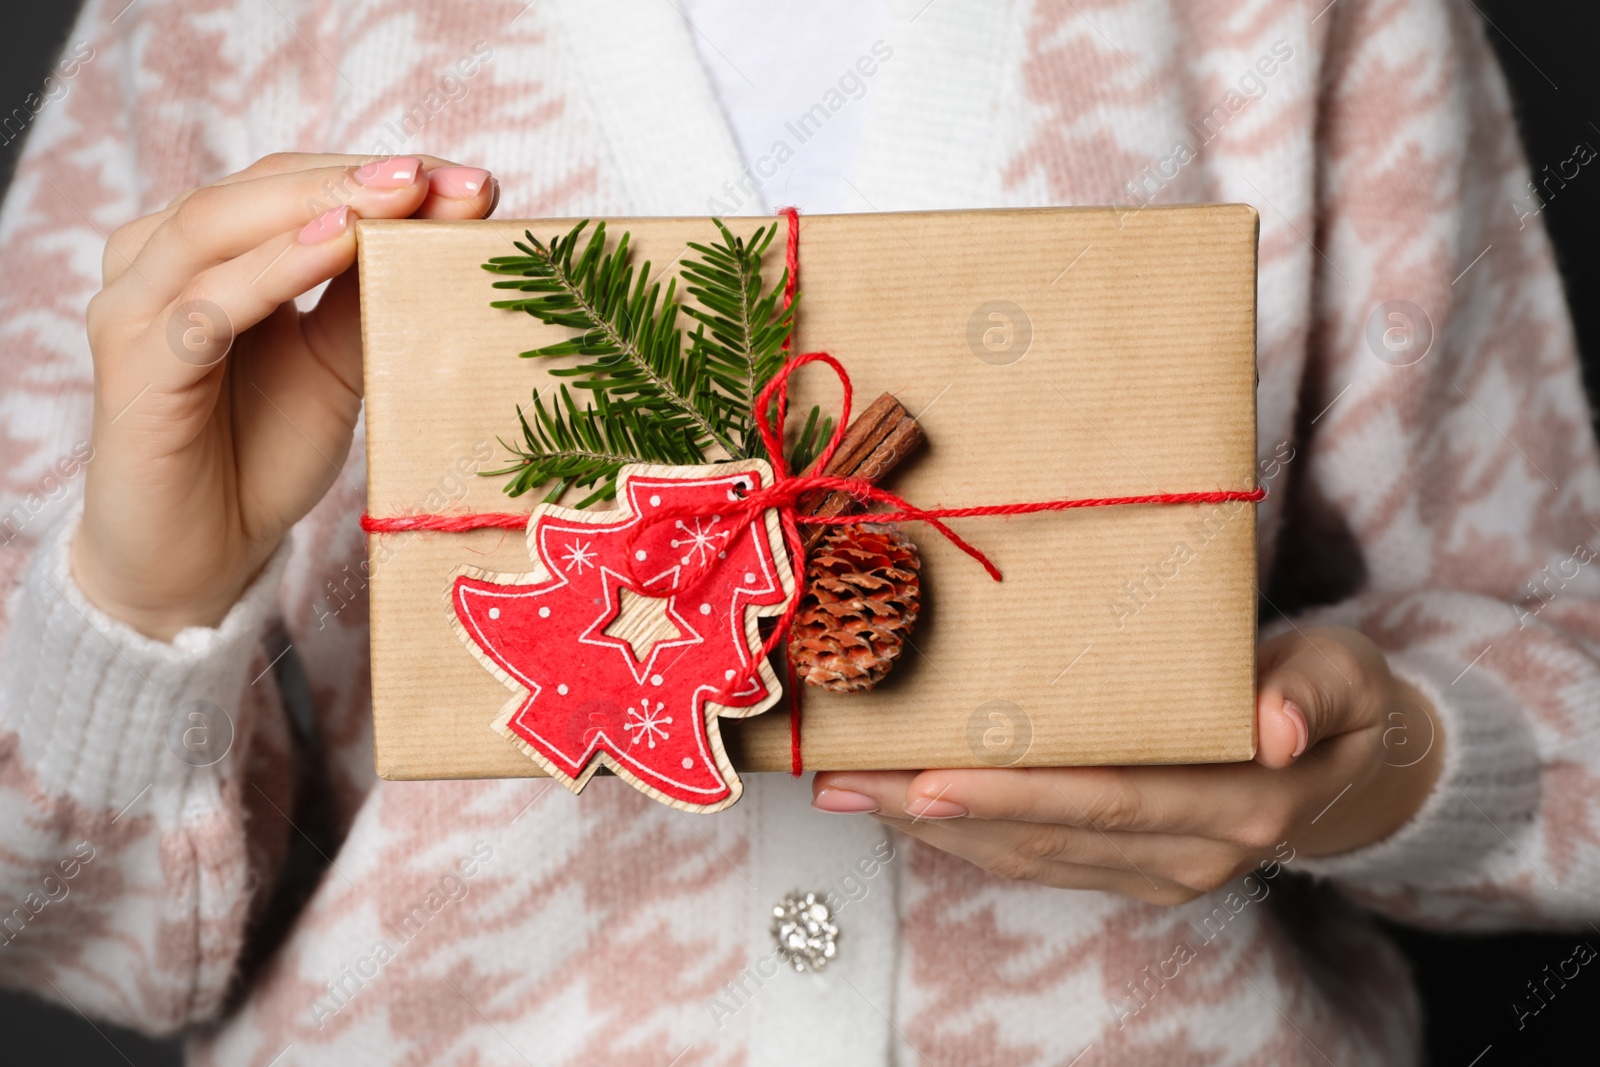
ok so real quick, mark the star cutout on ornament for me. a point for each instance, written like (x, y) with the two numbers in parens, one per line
(613, 662)
(645, 622)
(641, 627)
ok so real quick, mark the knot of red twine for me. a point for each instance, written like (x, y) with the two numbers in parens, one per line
(783, 496)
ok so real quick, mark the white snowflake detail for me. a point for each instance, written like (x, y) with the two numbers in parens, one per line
(648, 723)
(701, 540)
(579, 555)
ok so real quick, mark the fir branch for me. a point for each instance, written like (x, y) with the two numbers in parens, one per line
(742, 330)
(629, 336)
(584, 447)
(653, 401)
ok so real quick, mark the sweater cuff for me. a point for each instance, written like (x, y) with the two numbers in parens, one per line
(100, 711)
(1485, 800)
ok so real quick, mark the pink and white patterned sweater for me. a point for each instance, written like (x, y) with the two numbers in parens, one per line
(1446, 508)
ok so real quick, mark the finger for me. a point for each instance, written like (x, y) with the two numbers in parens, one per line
(459, 193)
(1003, 862)
(288, 162)
(1196, 862)
(292, 162)
(1208, 801)
(332, 330)
(860, 792)
(454, 191)
(126, 242)
(238, 294)
(220, 222)
(1313, 684)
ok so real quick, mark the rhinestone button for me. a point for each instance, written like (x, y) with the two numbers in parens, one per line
(804, 929)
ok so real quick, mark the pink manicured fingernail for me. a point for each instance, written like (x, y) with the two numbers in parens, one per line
(396, 173)
(924, 808)
(1302, 735)
(326, 226)
(458, 183)
(843, 802)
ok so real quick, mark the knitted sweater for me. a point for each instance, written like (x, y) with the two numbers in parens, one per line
(1445, 507)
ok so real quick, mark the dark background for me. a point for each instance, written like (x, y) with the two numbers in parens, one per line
(1547, 49)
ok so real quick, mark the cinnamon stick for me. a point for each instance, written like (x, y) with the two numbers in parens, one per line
(873, 444)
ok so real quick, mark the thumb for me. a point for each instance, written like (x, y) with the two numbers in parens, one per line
(1313, 684)
(333, 328)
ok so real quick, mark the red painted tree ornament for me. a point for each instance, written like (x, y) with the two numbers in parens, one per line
(614, 665)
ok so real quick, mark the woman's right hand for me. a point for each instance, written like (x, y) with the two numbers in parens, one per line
(222, 413)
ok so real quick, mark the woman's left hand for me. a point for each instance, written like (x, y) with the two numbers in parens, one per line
(1346, 754)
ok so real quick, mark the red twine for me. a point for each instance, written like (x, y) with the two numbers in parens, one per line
(784, 493)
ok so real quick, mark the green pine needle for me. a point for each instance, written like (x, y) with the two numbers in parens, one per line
(813, 435)
(654, 401)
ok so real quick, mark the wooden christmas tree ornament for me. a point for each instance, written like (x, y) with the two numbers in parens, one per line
(613, 658)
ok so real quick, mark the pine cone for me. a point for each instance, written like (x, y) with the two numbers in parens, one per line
(861, 599)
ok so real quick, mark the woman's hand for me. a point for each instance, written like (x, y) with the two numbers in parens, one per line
(1346, 754)
(222, 413)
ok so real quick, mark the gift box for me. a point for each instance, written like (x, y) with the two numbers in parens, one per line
(1048, 355)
